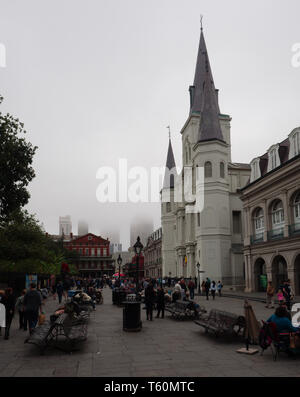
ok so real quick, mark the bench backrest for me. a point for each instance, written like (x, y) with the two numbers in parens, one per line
(228, 319)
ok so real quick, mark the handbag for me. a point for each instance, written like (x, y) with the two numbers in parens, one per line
(42, 319)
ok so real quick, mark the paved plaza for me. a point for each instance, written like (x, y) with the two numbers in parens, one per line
(163, 348)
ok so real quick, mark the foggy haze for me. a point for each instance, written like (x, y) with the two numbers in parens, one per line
(99, 80)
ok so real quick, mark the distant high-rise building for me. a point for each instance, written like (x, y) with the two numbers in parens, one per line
(112, 235)
(65, 225)
(83, 228)
(115, 247)
(142, 228)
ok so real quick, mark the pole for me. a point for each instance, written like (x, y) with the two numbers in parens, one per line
(198, 282)
(137, 274)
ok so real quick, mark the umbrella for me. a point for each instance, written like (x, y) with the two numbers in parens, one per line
(252, 329)
(117, 275)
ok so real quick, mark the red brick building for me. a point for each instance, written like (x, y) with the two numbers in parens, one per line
(153, 255)
(94, 255)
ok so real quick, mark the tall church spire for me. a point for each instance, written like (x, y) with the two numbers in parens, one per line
(202, 68)
(170, 165)
(209, 127)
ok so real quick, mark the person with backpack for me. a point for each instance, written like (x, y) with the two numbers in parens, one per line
(270, 295)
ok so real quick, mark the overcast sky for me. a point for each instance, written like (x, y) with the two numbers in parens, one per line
(99, 80)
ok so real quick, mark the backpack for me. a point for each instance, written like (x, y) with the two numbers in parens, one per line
(267, 335)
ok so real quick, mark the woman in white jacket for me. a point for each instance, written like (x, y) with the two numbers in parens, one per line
(213, 289)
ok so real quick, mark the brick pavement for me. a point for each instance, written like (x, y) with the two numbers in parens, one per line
(164, 347)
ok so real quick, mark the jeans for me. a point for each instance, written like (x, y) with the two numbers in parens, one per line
(149, 310)
(32, 317)
(22, 319)
(8, 320)
(160, 308)
(192, 293)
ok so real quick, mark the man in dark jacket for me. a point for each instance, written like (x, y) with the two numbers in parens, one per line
(149, 300)
(160, 301)
(32, 305)
(9, 302)
(207, 288)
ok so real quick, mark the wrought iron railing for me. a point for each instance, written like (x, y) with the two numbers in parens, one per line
(257, 238)
(275, 234)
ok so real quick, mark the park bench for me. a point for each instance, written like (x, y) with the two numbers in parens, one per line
(221, 322)
(65, 333)
(181, 310)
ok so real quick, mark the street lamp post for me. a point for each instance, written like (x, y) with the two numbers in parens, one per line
(198, 267)
(138, 246)
(119, 261)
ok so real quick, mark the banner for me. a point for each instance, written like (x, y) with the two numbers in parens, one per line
(30, 278)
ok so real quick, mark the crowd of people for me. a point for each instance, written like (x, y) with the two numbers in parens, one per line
(284, 294)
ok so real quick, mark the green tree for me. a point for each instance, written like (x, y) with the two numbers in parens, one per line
(16, 155)
(25, 247)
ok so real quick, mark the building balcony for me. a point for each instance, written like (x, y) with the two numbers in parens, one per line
(294, 230)
(276, 234)
(257, 238)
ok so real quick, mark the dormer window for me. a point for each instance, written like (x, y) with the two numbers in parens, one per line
(294, 143)
(255, 170)
(274, 160)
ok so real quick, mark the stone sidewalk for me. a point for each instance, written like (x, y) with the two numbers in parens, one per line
(163, 348)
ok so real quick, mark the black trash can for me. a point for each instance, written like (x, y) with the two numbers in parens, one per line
(115, 292)
(121, 298)
(132, 316)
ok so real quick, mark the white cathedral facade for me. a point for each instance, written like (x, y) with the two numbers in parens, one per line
(212, 237)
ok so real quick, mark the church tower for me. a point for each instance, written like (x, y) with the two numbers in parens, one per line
(167, 215)
(212, 235)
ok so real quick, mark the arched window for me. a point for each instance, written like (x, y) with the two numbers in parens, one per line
(222, 170)
(190, 153)
(259, 223)
(297, 210)
(208, 169)
(277, 218)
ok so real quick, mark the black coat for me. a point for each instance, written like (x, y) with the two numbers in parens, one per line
(149, 295)
(160, 298)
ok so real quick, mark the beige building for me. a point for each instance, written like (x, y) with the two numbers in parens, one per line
(152, 254)
(271, 203)
(211, 236)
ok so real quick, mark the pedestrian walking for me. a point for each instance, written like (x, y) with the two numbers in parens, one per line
(219, 288)
(59, 291)
(9, 302)
(270, 295)
(149, 300)
(191, 287)
(213, 289)
(287, 294)
(160, 302)
(203, 288)
(207, 288)
(20, 308)
(32, 306)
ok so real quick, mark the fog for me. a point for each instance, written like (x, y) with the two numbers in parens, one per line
(99, 80)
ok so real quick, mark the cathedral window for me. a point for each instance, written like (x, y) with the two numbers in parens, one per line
(297, 210)
(222, 170)
(198, 219)
(236, 221)
(168, 207)
(208, 169)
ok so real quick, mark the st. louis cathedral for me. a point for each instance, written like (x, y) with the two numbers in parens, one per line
(212, 237)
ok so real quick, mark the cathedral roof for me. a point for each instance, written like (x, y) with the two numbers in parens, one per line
(209, 127)
(170, 164)
(202, 68)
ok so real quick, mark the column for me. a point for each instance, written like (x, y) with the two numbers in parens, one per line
(287, 217)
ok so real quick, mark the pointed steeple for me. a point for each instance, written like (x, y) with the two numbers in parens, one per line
(209, 127)
(202, 68)
(170, 165)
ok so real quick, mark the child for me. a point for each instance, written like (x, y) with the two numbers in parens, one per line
(280, 297)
